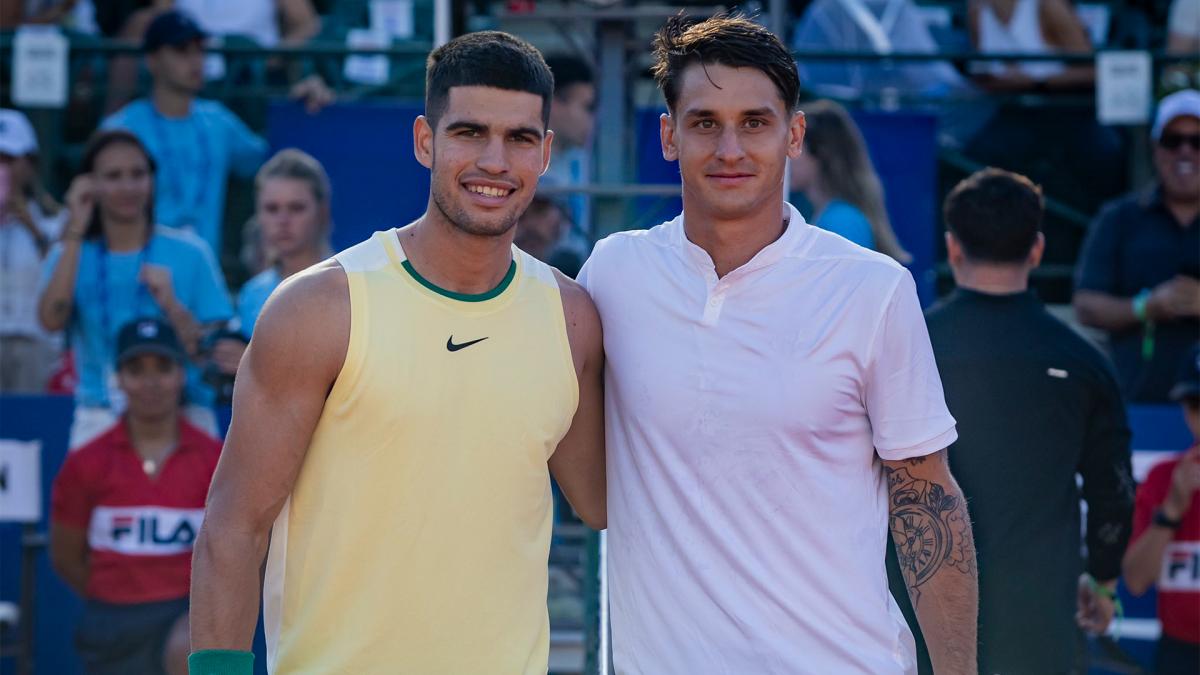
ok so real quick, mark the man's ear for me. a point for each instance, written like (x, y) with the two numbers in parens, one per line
(955, 256)
(796, 129)
(547, 144)
(666, 133)
(423, 141)
(1036, 252)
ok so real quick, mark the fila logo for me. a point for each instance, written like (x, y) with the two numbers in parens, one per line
(1181, 567)
(144, 530)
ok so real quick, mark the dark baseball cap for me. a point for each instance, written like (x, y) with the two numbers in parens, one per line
(1187, 383)
(148, 336)
(172, 28)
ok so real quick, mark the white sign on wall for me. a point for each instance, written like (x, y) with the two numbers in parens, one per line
(20, 481)
(39, 67)
(1123, 87)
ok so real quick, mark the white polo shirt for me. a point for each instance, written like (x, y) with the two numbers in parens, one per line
(746, 415)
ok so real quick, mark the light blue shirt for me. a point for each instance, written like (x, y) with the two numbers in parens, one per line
(194, 155)
(108, 295)
(253, 296)
(845, 219)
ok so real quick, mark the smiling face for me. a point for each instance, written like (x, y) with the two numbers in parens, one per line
(486, 154)
(732, 135)
(123, 181)
(1179, 166)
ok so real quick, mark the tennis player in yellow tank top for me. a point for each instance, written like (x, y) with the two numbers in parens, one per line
(395, 415)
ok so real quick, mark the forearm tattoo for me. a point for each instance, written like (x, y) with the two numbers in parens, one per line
(930, 528)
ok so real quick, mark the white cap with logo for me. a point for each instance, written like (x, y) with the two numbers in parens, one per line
(16, 134)
(1183, 103)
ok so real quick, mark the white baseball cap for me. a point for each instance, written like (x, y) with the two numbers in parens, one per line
(16, 134)
(1183, 103)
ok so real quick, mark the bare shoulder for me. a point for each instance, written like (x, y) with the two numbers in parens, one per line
(305, 322)
(583, 320)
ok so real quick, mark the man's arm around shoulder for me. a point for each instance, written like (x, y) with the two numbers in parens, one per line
(926, 507)
(299, 345)
(578, 462)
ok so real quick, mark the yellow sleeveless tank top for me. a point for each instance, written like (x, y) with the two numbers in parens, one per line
(416, 537)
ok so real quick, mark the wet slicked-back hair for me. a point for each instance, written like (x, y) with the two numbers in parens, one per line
(726, 39)
(485, 59)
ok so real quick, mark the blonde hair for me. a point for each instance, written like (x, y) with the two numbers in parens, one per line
(294, 164)
(845, 170)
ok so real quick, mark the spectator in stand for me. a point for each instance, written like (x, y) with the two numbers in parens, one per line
(196, 142)
(292, 210)
(1183, 37)
(835, 173)
(1036, 141)
(540, 229)
(1028, 27)
(1036, 405)
(30, 221)
(113, 265)
(1183, 27)
(1166, 538)
(125, 509)
(270, 23)
(881, 26)
(1139, 272)
(572, 118)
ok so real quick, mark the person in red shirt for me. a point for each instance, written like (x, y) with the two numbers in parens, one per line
(125, 509)
(1165, 548)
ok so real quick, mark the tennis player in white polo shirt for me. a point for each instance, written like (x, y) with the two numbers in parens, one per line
(772, 406)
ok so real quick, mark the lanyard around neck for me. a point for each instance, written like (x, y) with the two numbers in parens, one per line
(106, 309)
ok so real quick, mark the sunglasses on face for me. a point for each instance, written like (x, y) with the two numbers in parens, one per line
(1174, 141)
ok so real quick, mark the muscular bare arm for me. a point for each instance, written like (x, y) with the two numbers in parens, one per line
(299, 347)
(932, 533)
(578, 462)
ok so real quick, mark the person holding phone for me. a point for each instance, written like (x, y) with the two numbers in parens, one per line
(113, 265)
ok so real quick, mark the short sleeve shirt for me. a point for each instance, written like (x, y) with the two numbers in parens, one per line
(746, 417)
(842, 218)
(194, 155)
(108, 295)
(140, 529)
(1134, 244)
(1179, 579)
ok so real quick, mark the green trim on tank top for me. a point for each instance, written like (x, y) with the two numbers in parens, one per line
(463, 297)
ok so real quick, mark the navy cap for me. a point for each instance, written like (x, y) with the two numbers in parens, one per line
(173, 28)
(148, 336)
(1187, 383)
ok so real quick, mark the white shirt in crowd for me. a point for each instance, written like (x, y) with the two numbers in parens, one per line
(21, 269)
(746, 417)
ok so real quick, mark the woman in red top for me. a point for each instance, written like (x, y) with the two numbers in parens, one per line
(1165, 548)
(125, 510)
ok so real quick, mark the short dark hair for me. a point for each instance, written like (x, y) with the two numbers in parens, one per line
(569, 69)
(485, 59)
(995, 214)
(726, 39)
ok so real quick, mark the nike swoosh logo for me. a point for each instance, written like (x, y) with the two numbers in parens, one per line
(450, 346)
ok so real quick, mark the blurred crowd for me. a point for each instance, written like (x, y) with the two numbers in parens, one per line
(114, 293)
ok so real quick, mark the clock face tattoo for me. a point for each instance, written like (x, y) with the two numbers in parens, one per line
(928, 528)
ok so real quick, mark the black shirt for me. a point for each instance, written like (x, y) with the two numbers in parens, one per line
(1136, 243)
(1035, 404)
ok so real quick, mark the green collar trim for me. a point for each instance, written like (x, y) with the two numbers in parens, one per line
(463, 297)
